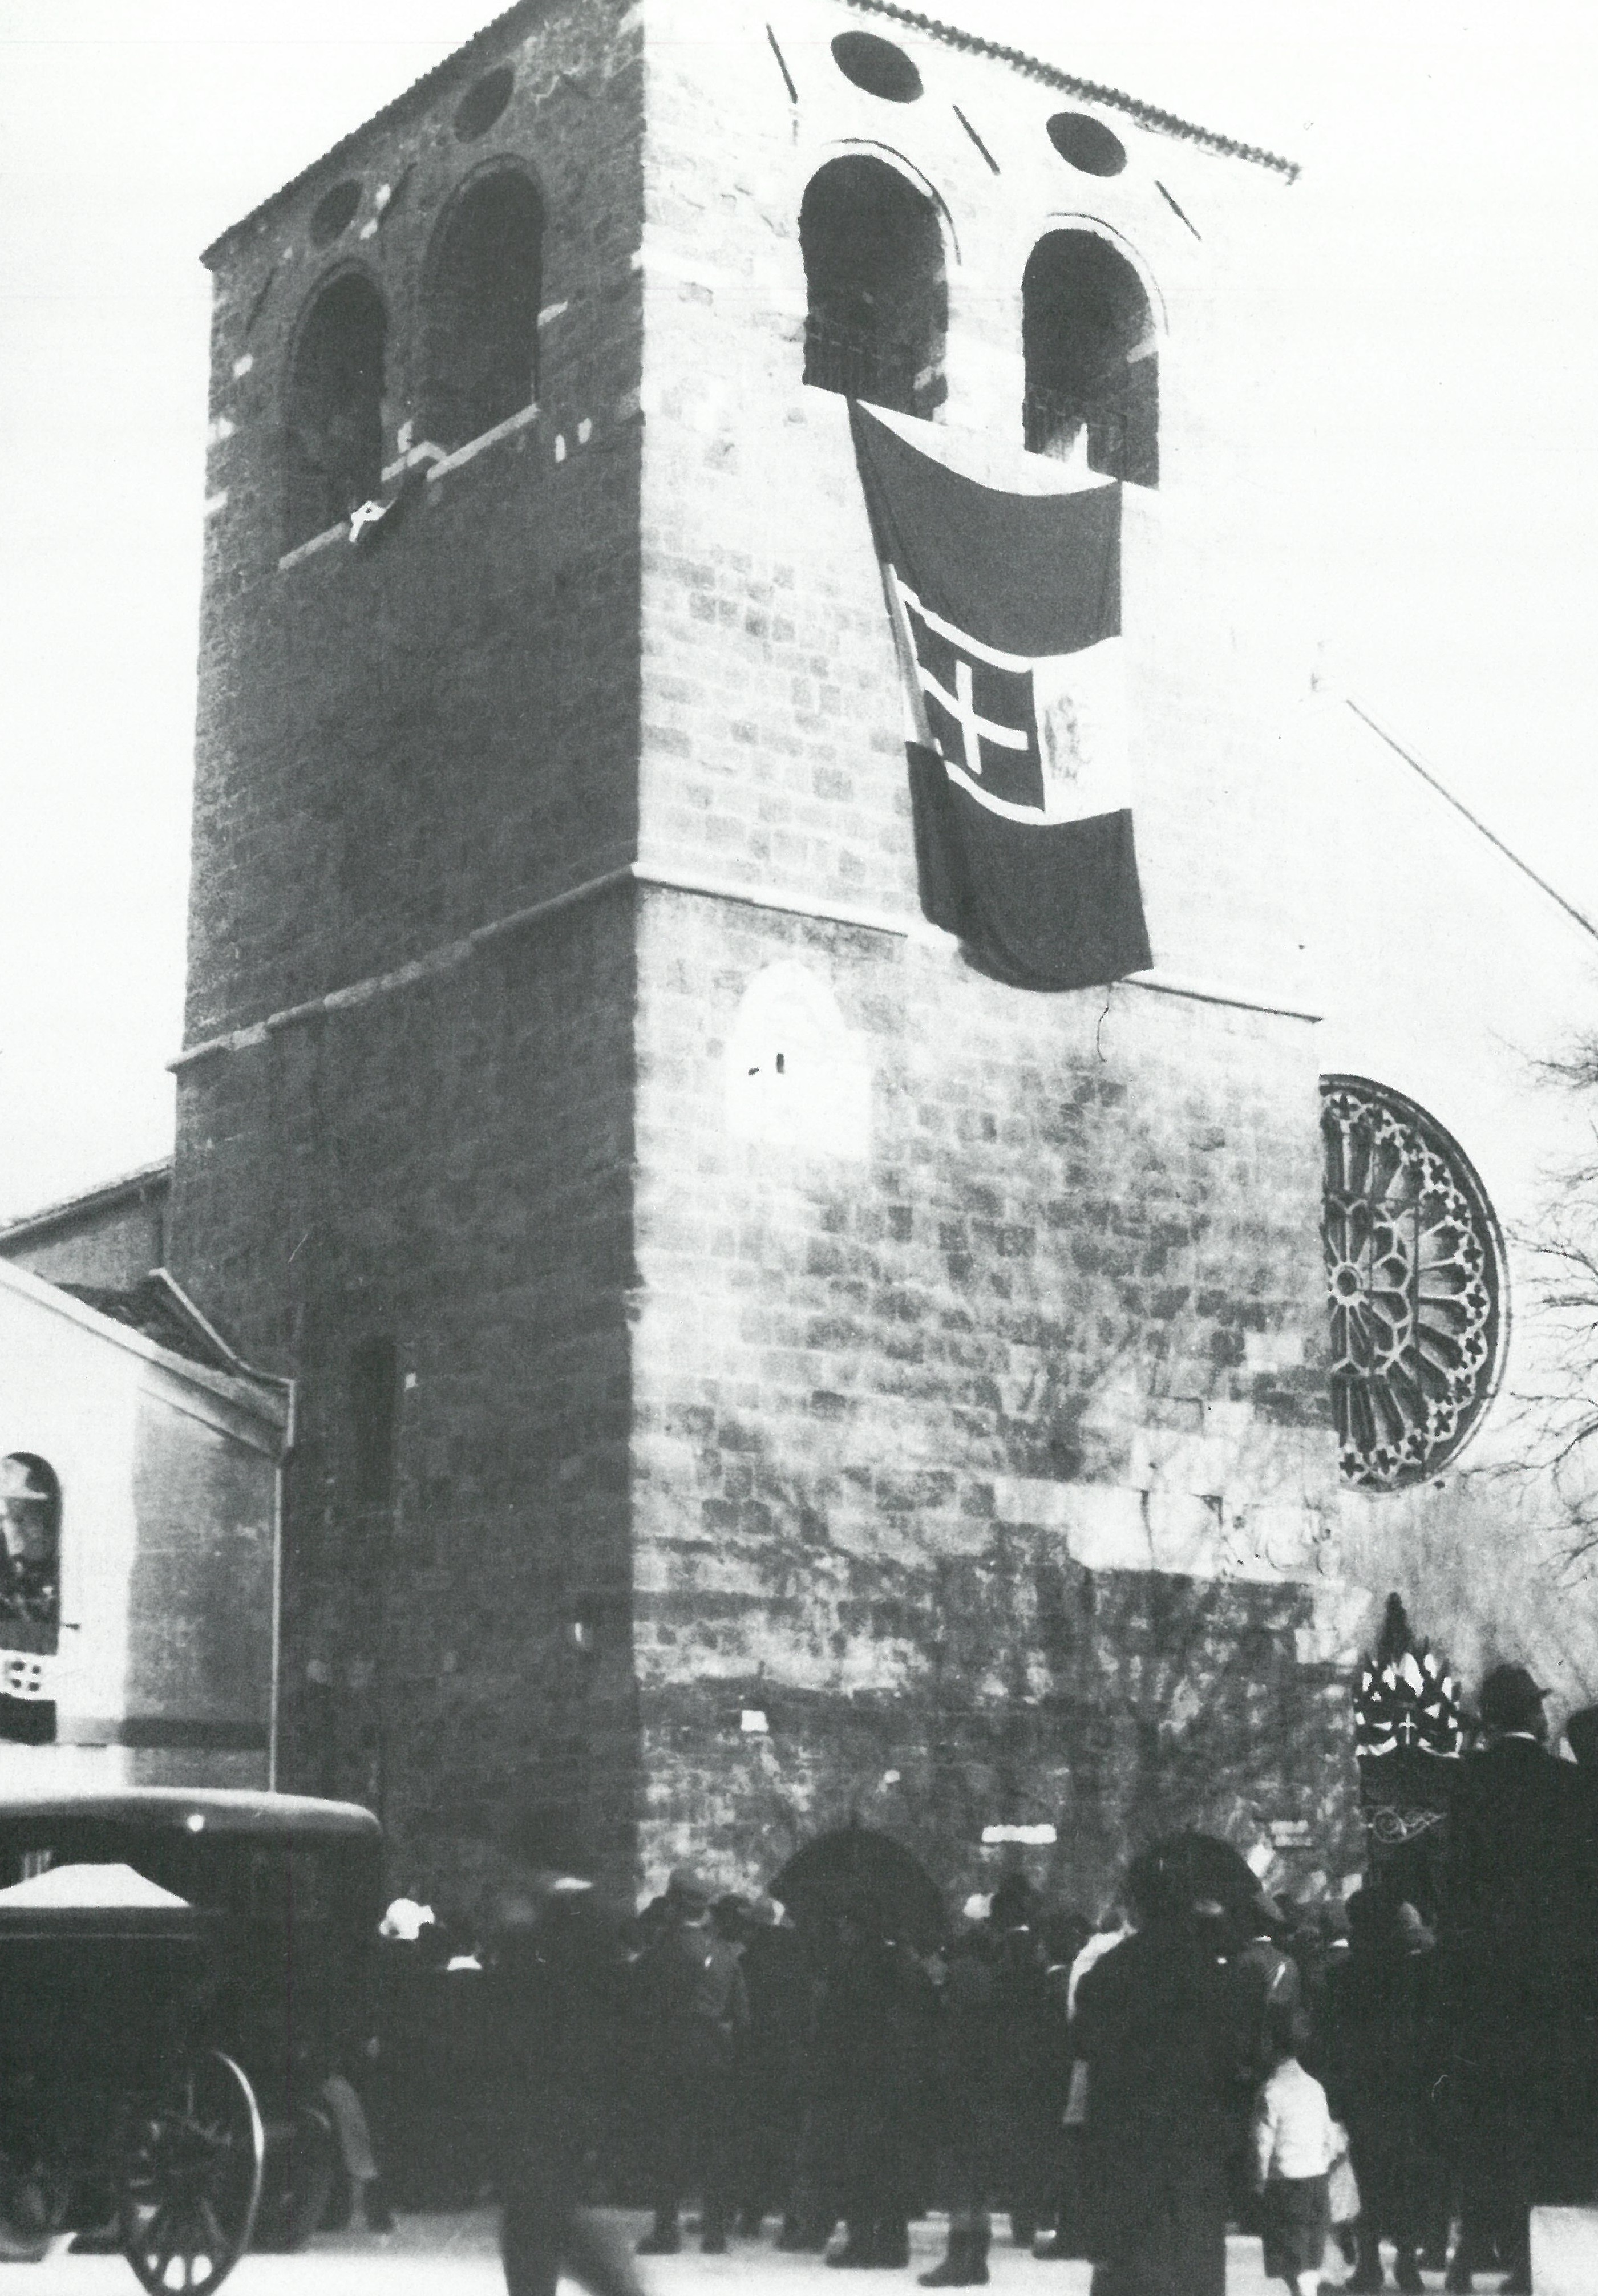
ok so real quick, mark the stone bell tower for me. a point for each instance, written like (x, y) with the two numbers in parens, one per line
(757, 1372)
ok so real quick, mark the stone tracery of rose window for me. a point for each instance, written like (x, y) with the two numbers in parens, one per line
(1415, 1285)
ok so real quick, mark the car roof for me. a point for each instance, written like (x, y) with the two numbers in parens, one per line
(193, 1810)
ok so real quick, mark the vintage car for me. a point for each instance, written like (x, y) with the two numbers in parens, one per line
(181, 1974)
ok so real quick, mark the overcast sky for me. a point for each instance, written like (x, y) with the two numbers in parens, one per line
(1444, 454)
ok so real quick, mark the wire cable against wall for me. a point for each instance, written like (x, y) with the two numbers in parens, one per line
(1448, 798)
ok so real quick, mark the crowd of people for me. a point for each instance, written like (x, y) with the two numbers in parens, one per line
(1418, 2065)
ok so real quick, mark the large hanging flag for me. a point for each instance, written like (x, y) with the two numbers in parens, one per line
(1007, 611)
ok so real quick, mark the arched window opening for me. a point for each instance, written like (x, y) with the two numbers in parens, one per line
(858, 1871)
(481, 336)
(30, 1559)
(335, 420)
(878, 297)
(1088, 335)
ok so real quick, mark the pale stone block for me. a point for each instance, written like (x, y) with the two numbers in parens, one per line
(1271, 1542)
(1183, 1534)
(1030, 1498)
(1228, 1422)
(795, 1076)
(1121, 1527)
(1107, 1528)
(1201, 1465)
(1273, 1351)
(1104, 1523)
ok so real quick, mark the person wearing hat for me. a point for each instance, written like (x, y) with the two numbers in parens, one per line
(870, 2058)
(965, 2101)
(553, 1976)
(695, 2015)
(1377, 2042)
(1155, 2030)
(1261, 1983)
(771, 2075)
(1506, 1928)
(1581, 1736)
(1027, 2101)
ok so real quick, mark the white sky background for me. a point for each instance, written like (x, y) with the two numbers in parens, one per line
(1441, 458)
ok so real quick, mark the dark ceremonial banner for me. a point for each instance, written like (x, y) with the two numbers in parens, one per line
(1007, 613)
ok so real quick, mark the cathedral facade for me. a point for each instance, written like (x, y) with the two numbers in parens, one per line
(758, 1372)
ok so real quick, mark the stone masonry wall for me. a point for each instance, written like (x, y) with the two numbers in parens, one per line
(981, 1442)
(773, 722)
(947, 1390)
(1467, 993)
(400, 745)
(116, 1245)
(447, 1167)
(984, 1451)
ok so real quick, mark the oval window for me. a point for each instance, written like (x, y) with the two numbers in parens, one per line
(877, 66)
(334, 210)
(1085, 143)
(483, 103)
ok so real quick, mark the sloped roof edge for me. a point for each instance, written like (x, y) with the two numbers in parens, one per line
(154, 1306)
(124, 1188)
(438, 77)
(1147, 115)
(261, 1398)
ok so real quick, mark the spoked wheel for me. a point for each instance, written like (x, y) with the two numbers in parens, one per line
(194, 2179)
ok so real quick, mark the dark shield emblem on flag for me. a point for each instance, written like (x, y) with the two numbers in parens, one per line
(1008, 614)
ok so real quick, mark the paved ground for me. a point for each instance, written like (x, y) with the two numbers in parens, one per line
(456, 2255)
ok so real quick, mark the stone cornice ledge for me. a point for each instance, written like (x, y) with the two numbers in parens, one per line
(789, 902)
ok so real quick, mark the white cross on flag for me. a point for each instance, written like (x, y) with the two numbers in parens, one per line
(1034, 738)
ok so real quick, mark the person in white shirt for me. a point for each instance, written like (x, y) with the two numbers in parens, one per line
(1295, 2143)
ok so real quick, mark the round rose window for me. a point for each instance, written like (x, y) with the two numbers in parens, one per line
(1415, 1285)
